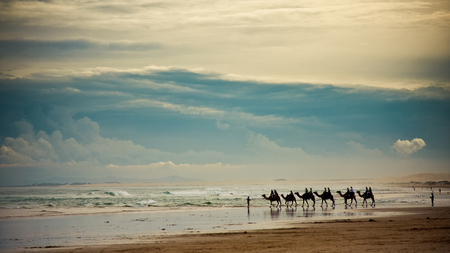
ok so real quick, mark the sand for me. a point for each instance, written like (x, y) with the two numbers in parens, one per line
(421, 229)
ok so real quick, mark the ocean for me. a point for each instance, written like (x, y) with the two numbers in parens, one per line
(178, 196)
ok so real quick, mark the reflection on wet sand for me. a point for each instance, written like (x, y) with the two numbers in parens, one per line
(299, 213)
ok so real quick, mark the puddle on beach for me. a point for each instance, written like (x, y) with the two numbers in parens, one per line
(113, 228)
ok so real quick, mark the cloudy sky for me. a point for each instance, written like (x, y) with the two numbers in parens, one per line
(220, 90)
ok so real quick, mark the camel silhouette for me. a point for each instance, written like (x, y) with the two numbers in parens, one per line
(324, 196)
(305, 197)
(289, 198)
(273, 198)
(365, 196)
(346, 196)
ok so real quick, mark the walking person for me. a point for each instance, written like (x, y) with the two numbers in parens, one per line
(432, 199)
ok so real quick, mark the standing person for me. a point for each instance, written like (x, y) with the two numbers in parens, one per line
(432, 199)
(248, 202)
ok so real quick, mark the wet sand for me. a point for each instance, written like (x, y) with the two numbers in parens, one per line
(417, 229)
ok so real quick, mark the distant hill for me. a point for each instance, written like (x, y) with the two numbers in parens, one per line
(54, 181)
(422, 177)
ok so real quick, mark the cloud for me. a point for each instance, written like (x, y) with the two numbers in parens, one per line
(316, 41)
(222, 126)
(169, 165)
(358, 149)
(9, 156)
(78, 142)
(165, 97)
(142, 116)
(27, 47)
(267, 150)
(406, 148)
(235, 116)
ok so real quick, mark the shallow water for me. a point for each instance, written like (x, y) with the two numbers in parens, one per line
(113, 228)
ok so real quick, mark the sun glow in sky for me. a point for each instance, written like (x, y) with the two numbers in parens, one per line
(221, 90)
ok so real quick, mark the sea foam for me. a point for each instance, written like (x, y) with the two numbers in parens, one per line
(145, 202)
(118, 193)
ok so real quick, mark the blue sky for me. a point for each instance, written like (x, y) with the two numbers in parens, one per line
(347, 89)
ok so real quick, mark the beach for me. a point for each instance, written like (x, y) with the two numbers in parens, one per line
(419, 229)
(214, 217)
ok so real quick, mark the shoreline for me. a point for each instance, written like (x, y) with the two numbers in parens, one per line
(22, 213)
(416, 229)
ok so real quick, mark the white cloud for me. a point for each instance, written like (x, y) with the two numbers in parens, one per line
(406, 148)
(212, 113)
(79, 144)
(138, 15)
(358, 149)
(310, 36)
(222, 126)
(173, 166)
(267, 149)
(10, 156)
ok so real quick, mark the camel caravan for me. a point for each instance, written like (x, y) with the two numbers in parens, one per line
(326, 195)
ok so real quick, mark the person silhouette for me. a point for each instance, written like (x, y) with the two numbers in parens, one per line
(432, 199)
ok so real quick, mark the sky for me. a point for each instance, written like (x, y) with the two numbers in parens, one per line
(224, 90)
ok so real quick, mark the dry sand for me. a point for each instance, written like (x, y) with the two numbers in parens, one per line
(424, 229)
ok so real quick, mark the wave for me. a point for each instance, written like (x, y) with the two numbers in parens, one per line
(146, 202)
(118, 193)
(188, 193)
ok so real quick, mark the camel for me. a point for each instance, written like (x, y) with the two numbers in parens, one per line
(305, 197)
(324, 197)
(365, 196)
(289, 198)
(271, 199)
(350, 195)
